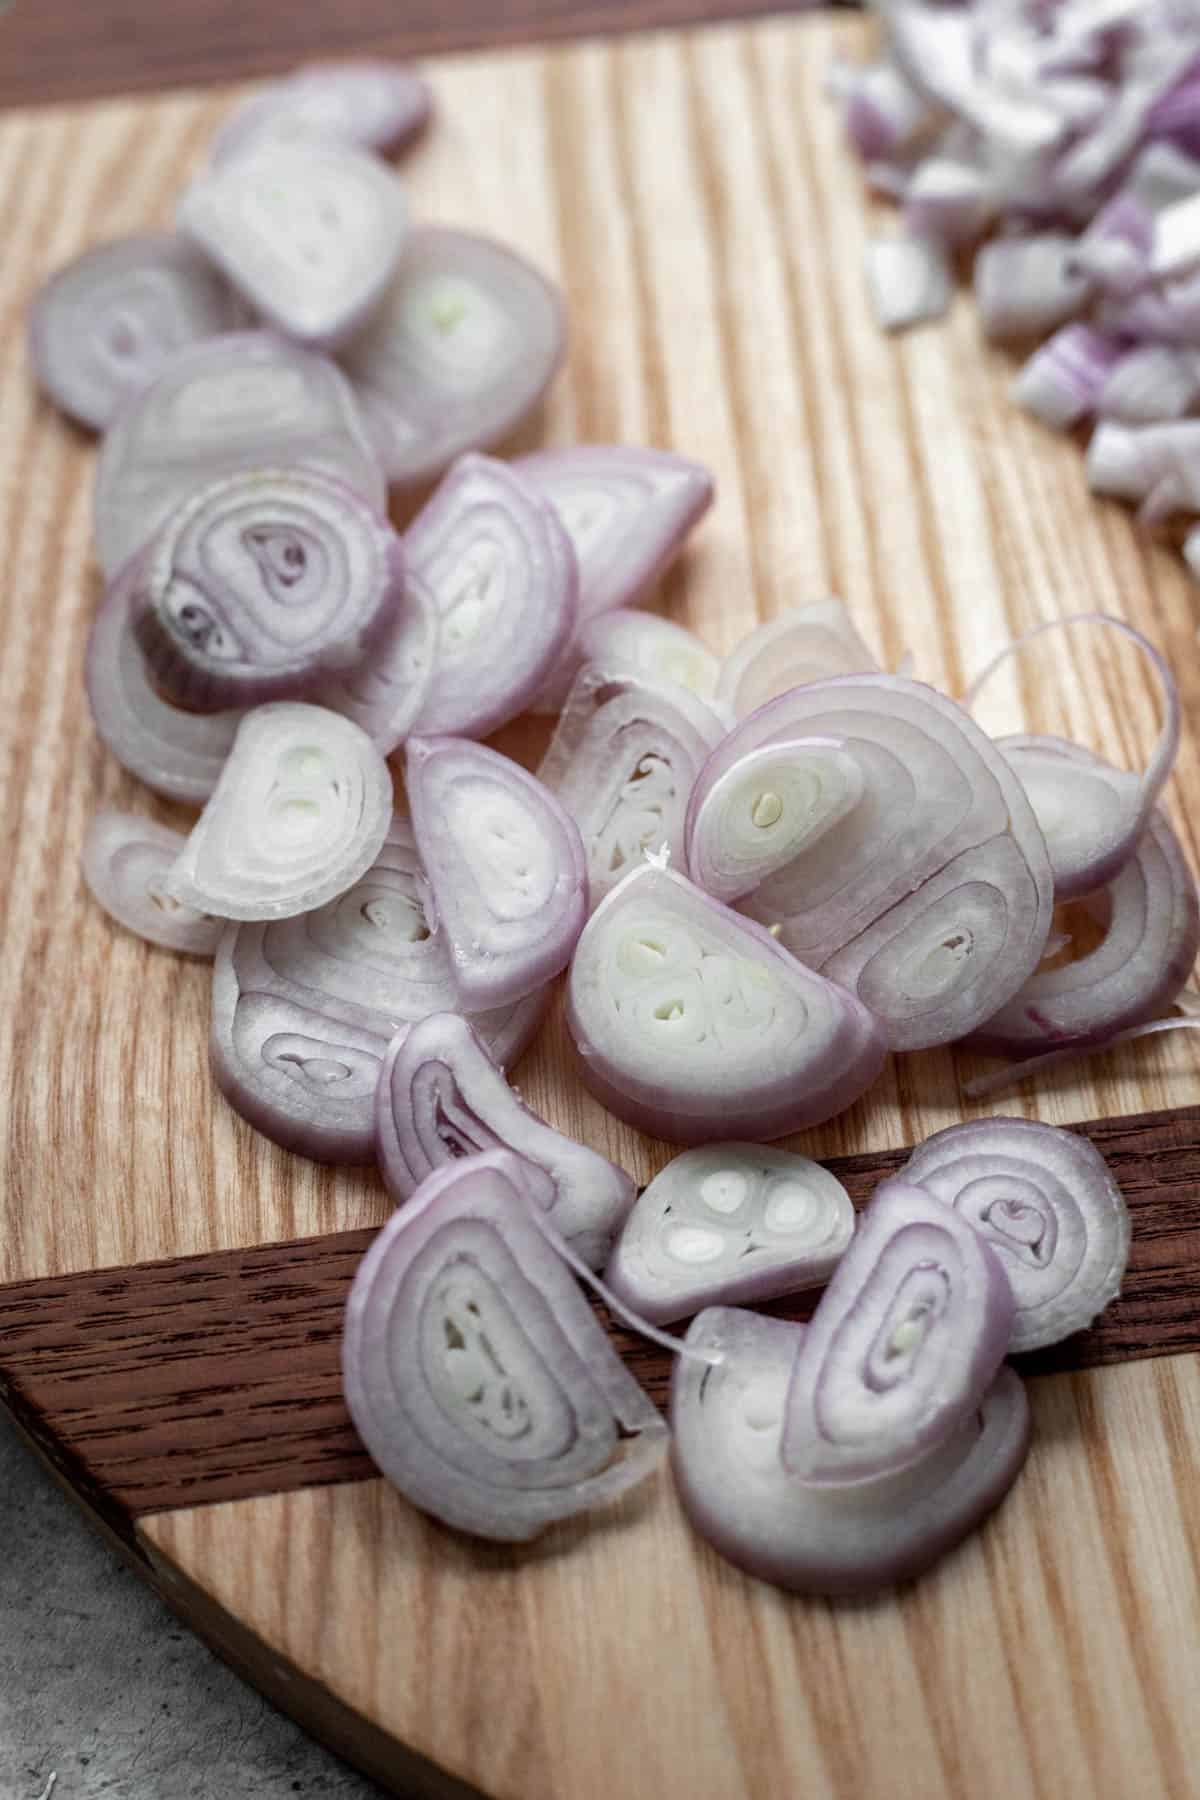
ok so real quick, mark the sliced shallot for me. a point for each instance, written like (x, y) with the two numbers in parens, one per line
(622, 761)
(263, 584)
(299, 813)
(386, 691)
(1046, 1204)
(310, 229)
(1126, 951)
(248, 400)
(502, 573)
(928, 895)
(125, 860)
(806, 643)
(1090, 813)
(626, 511)
(505, 866)
(905, 1342)
(729, 1223)
(726, 1423)
(441, 1097)
(657, 648)
(693, 1024)
(475, 1371)
(104, 325)
(463, 347)
(304, 1008)
(376, 105)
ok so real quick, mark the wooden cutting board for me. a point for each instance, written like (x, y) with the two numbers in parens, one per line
(691, 193)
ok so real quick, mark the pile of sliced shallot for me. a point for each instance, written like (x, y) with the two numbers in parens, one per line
(1059, 142)
(760, 877)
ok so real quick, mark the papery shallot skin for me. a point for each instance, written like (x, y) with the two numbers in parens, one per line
(505, 866)
(441, 1097)
(375, 104)
(248, 399)
(726, 1423)
(125, 862)
(691, 1023)
(104, 324)
(304, 1008)
(1046, 1203)
(726, 1224)
(263, 585)
(903, 1345)
(475, 1371)
(462, 348)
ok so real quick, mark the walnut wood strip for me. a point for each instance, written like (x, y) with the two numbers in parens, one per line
(216, 1377)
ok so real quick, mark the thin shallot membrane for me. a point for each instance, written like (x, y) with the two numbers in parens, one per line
(180, 754)
(726, 1423)
(1045, 1202)
(505, 866)
(310, 229)
(905, 1342)
(729, 1223)
(872, 821)
(622, 761)
(246, 400)
(375, 104)
(692, 1023)
(104, 325)
(1091, 814)
(1124, 954)
(261, 586)
(441, 1097)
(475, 1371)
(626, 511)
(464, 345)
(807, 643)
(125, 861)
(299, 813)
(304, 1008)
(502, 572)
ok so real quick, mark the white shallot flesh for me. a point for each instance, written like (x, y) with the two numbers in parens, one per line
(125, 861)
(807, 643)
(377, 105)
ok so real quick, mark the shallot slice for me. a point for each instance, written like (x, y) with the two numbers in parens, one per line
(300, 812)
(104, 325)
(247, 400)
(386, 691)
(475, 1371)
(1048, 1207)
(622, 761)
(464, 345)
(502, 573)
(304, 1007)
(806, 643)
(505, 866)
(693, 1024)
(726, 1423)
(263, 584)
(310, 229)
(125, 860)
(650, 646)
(729, 1223)
(377, 105)
(441, 1097)
(180, 754)
(1124, 954)
(1090, 813)
(905, 1342)
(627, 513)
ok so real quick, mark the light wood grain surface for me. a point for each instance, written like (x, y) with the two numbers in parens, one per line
(693, 196)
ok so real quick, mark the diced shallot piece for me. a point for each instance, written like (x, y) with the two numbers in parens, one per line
(905, 1342)
(310, 229)
(693, 1024)
(441, 1097)
(909, 281)
(475, 1371)
(125, 860)
(729, 1223)
(1062, 382)
(1151, 383)
(300, 812)
(1026, 286)
(104, 325)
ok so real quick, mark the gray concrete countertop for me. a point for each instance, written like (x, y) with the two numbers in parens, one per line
(103, 1689)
